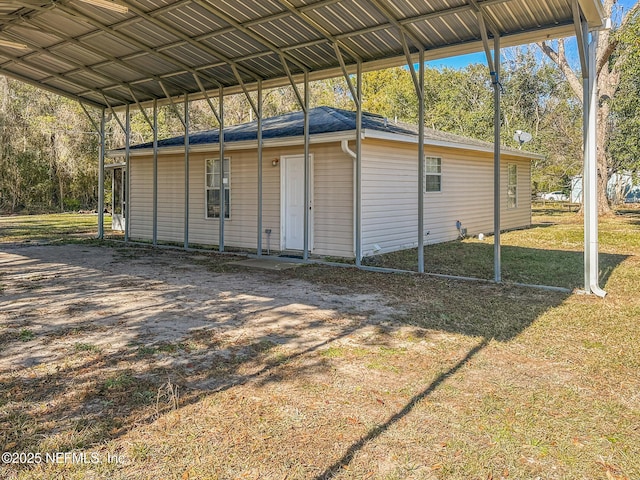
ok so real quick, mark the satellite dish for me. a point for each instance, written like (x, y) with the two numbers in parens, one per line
(522, 137)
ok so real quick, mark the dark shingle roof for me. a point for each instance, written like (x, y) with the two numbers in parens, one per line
(321, 120)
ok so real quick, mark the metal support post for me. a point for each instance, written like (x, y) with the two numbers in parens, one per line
(358, 169)
(589, 180)
(101, 175)
(421, 173)
(155, 172)
(186, 171)
(222, 185)
(495, 78)
(127, 170)
(307, 169)
(259, 141)
(418, 83)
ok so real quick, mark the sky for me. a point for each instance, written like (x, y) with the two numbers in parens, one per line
(462, 61)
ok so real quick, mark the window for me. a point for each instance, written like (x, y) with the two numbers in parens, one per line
(433, 174)
(512, 186)
(212, 186)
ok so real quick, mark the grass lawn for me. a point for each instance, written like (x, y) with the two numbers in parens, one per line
(58, 227)
(548, 253)
(390, 376)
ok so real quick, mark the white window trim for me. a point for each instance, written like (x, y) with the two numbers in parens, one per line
(431, 192)
(207, 188)
(515, 186)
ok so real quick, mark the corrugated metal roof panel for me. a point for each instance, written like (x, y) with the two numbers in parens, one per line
(286, 31)
(186, 53)
(193, 20)
(234, 44)
(173, 37)
(249, 10)
(115, 70)
(110, 44)
(149, 34)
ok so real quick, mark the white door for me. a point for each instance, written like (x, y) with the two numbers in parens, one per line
(292, 176)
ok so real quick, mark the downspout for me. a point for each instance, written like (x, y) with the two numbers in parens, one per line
(344, 144)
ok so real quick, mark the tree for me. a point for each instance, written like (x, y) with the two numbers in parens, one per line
(624, 142)
(610, 60)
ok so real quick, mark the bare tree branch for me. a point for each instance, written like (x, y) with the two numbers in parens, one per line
(560, 60)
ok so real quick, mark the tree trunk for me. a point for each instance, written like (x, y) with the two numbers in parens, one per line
(61, 186)
(608, 79)
(602, 160)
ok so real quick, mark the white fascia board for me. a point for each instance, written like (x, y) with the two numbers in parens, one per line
(396, 137)
(244, 145)
(593, 12)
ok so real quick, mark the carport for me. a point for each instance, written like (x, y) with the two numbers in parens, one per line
(115, 56)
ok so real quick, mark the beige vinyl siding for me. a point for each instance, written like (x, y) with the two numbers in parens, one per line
(389, 196)
(333, 193)
(390, 172)
(333, 201)
(170, 198)
(141, 198)
(240, 229)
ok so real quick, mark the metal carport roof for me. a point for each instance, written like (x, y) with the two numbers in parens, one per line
(114, 54)
(174, 47)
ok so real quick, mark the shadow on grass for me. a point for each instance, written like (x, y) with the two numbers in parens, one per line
(99, 395)
(374, 433)
(558, 268)
(631, 214)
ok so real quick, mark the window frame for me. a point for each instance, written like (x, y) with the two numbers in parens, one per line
(512, 188)
(208, 188)
(432, 174)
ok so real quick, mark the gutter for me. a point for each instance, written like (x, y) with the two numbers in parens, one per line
(344, 145)
(242, 145)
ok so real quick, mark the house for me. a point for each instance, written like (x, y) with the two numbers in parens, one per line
(621, 188)
(458, 185)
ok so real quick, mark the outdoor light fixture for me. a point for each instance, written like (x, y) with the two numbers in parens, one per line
(116, 7)
(275, 162)
(7, 43)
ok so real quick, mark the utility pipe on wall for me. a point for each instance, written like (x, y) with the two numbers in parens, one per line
(344, 145)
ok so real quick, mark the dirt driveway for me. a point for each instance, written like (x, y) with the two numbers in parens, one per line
(188, 365)
(109, 299)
